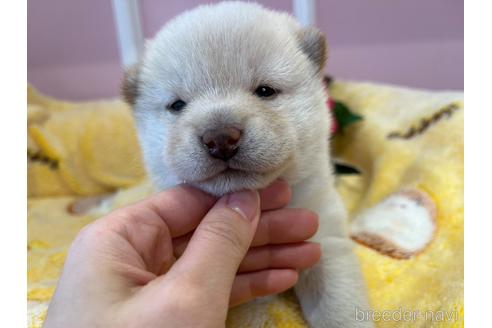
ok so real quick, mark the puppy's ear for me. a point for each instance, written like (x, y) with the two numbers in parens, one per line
(313, 44)
(130, 84)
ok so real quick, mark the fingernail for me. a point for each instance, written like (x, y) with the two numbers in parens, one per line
(245, 203)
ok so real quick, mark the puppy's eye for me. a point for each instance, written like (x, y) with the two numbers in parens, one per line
(264, 91)
(177, 105)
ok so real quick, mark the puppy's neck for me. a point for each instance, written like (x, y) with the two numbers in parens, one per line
(311, 192)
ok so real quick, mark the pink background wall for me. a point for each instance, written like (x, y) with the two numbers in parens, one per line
(73, 52)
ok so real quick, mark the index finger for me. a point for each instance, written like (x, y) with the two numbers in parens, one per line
(181, 208)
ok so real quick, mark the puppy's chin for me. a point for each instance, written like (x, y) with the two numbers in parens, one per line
(232, 180)
(219, 178)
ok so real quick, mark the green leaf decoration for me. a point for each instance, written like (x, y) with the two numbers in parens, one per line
(344, 116)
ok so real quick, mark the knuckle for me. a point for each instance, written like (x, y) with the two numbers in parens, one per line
(86, 233)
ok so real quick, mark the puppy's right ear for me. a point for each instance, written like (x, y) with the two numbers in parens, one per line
(313, 44)
(130, 84)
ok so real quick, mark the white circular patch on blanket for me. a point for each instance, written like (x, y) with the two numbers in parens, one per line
(400, 226)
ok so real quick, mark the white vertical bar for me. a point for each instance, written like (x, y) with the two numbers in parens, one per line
(130, 37)
(305, 11)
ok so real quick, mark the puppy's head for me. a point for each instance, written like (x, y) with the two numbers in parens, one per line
(230, 97)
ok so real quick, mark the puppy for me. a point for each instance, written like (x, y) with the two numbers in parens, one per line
(230, 97)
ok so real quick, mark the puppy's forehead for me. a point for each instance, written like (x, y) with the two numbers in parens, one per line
(223, 48)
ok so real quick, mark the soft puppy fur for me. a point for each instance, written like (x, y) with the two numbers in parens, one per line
(230, 97)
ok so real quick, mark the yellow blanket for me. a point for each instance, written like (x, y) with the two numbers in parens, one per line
(408, 147)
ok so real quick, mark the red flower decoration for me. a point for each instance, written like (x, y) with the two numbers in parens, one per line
(334, 125)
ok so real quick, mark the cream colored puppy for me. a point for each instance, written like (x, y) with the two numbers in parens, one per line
(230, 97)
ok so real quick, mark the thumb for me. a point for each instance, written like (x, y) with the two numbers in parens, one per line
(221, 241)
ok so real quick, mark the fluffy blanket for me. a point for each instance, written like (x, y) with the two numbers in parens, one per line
(406, 205)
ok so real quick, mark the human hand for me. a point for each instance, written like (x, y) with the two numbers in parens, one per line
(181, 258)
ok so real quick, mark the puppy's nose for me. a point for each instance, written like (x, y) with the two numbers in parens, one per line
(222, 143)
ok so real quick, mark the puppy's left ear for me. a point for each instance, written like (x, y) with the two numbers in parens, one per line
(313, 44)
(131, 83)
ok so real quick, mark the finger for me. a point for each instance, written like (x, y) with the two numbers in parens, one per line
(287, 225)
(251, 285)
(281, 226)
(181, 208)
(296, 256)
(276, 195)
(219, 243)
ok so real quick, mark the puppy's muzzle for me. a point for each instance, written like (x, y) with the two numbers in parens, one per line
(222, 143)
